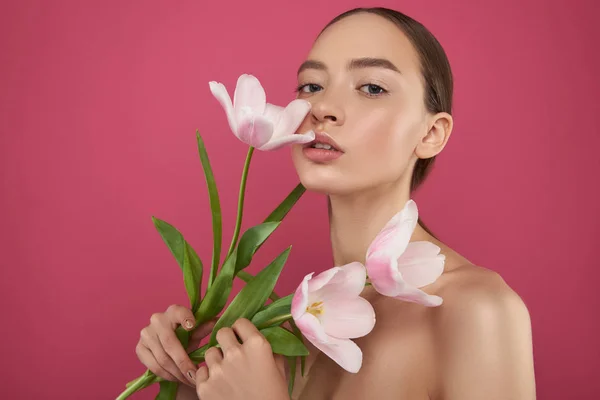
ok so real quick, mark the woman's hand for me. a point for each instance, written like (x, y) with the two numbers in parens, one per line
(246, 370)
(160, 350)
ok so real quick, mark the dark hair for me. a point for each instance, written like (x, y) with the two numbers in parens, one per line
(435, 68)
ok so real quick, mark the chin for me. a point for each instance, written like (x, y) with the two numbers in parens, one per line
(316, 185)
(325, 179)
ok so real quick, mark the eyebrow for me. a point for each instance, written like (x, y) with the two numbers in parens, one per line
(356, 63)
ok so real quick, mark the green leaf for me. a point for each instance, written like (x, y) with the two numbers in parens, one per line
(292, 361)
(302, 365)
(174, 241)
(247, 277)
(251, 241)
(276, 216)
(215, 207)
(197, 271)
(186, 257)
(217, 295)
(275, 309)
(284, 342)
(252, 296)
(298, 334)
(286, 205)
(168, 390)
(191, 279)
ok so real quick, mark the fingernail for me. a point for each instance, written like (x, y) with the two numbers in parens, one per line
(190, 374)
(188, 324)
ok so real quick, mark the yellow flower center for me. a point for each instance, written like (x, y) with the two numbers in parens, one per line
(316, 308)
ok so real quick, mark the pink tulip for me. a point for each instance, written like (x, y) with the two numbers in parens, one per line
(329, 311)
(257, 123)
(397, 267)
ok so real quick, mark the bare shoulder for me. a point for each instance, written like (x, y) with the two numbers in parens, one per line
(483, 336)
(476, 295)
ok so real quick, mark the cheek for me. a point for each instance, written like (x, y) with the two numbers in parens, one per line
(384, 137)
(379, 144)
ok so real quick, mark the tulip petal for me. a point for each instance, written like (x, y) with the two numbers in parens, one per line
(291, 118)
(300, 298)
(286, 123)
(344, 352)
(275, 144)
(254, 130)
(421, 264)
(347, 318)
(349, 281)
(414, 295)
(322, 279)
(387, 280)
(273, 113)
(396, 234)
(218, 90)
(311, 328)
(249, 94)
(383, 273)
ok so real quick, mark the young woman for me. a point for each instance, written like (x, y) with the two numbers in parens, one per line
(380, 87)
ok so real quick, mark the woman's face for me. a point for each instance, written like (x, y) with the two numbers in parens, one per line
(364, 82)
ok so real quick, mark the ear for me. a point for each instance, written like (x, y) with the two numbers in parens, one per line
(434, 141)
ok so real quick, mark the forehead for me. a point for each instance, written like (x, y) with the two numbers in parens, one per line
(365, 35)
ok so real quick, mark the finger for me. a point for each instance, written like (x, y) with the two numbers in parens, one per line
(164, 360)
(206, 328)
(213, 356)
(146, 357)
(226, 338)
(202, 374)
(176, 353)
(179, 315)
(245, 329)
(200, 333)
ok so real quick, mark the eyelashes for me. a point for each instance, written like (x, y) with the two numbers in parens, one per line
(377, 88)
(300, 88)
(373, 90)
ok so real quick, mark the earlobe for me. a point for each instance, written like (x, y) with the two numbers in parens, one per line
(437, 136)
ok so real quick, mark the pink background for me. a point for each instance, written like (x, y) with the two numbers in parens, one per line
(99, 103)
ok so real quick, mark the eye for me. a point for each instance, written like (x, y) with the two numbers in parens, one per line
(308, 88)
(373, 90)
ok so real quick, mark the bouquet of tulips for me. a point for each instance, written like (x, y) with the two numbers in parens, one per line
(326, 309)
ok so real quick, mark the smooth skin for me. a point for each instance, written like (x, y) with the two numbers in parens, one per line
(476, 345)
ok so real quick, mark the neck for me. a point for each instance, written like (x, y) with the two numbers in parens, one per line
(357, 218)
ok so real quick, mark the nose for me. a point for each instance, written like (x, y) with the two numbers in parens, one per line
(326, 108)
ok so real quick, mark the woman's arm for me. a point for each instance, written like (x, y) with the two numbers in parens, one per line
(486, 345)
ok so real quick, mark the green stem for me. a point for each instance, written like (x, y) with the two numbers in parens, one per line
(197, 356)
(148, 378)
(240, 210)
(137, 385)
(275, 320)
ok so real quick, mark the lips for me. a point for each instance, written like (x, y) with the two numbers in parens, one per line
(323, 141)
(322, 150)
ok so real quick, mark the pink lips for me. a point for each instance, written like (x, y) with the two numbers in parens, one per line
(322, 155)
